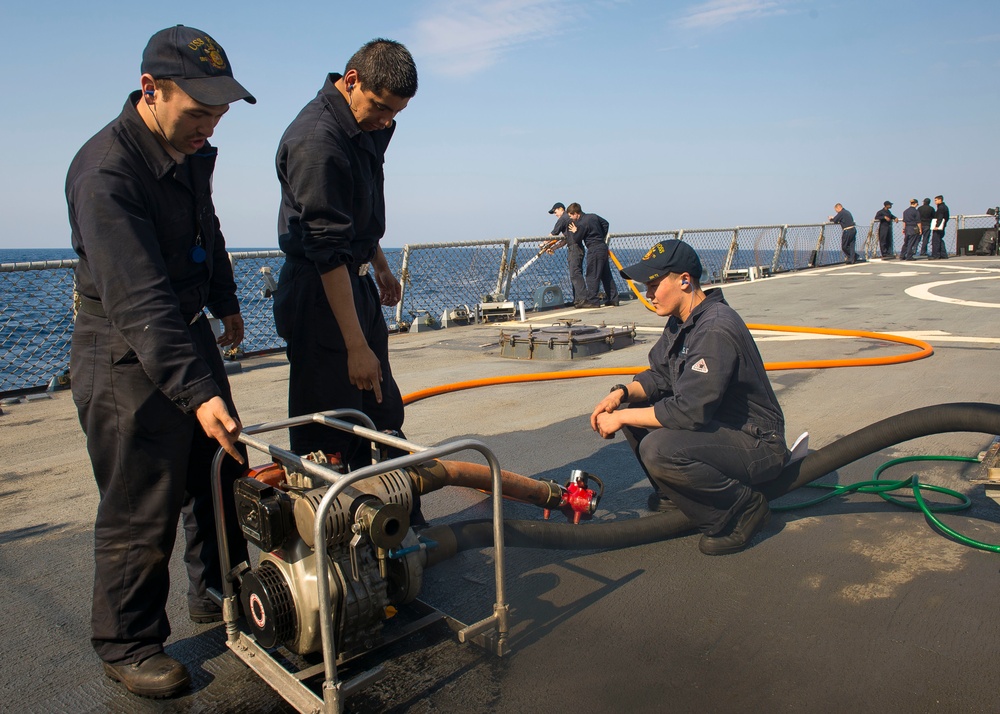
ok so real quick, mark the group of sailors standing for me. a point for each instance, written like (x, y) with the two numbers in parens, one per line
(923, 227)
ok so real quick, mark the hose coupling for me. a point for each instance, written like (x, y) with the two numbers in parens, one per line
(578, 500)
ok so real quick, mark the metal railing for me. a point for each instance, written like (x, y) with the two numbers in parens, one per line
(36, 299)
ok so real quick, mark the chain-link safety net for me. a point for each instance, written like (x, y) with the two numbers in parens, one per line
(256, 273)
(810, 247)
(36, 322)
(36, 316)
(531, 269)
(717, 248)
(394, 258)
(446, 276)
(36, 299)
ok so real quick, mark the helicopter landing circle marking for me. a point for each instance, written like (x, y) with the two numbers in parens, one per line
(923, 292)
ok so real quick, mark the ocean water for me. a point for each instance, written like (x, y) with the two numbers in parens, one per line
(18, 255)
(36, 317)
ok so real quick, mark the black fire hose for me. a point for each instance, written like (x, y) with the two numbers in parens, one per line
(938, 419)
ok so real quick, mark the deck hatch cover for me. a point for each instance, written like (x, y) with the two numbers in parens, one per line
(564, 341)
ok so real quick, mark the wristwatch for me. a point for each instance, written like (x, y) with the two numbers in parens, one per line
(624, 391)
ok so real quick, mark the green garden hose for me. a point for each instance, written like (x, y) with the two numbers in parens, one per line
(884, 488)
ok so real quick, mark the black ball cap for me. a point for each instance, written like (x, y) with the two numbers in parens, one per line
(555, 206)
(669, 256)
(196, 63)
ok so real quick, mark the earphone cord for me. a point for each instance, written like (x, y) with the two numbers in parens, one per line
(163, 134)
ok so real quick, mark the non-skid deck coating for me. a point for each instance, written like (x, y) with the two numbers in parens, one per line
(854, 605)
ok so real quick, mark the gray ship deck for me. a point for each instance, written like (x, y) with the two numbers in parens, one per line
(853, 605)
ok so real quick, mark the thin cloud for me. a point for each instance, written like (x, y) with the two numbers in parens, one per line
(985, 39)
(461, 38)
(715, 13)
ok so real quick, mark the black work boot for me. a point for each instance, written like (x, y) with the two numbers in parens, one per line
(740, 530)
(156, 677)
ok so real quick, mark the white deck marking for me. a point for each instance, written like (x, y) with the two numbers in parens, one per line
(923, 292)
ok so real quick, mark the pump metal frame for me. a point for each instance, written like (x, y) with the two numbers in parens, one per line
(292, 685)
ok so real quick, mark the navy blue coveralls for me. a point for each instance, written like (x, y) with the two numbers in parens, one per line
(722, 428)
(911, 233)
(885, 219)
(592, 232)
(926, 212)
(142, 360)
(332, 213)
(941, 216)
(574, 256)
(848, 234)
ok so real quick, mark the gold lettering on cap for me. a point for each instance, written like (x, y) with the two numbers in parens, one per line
(655, 250)
(212, 54)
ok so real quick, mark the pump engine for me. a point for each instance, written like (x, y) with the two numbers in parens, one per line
(375, 561)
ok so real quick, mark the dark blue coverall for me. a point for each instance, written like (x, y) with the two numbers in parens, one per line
(332, 213)
(849, 234)
(885, 219)
(926, 212)
(592, 232)
(722, 428)
(941, 216)
(143, 358)
(574, 257)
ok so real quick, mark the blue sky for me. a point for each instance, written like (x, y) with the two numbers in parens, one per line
(655, 114)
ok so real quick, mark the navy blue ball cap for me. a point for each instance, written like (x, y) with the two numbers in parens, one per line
(555, 206)
(669, 256)
(194, 62)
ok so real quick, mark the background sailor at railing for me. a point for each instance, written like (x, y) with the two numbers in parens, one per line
(591, 232)
(574, 251)
(885, 220)
(849, 232)
(938, 225)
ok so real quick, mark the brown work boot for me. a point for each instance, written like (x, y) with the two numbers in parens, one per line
(740, 530)
(156, 677)
(205, 613)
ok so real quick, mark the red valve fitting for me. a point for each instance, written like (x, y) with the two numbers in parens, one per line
(578, 499)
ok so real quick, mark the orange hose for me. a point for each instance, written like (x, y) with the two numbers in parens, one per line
(514, 379)
(925, 351)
